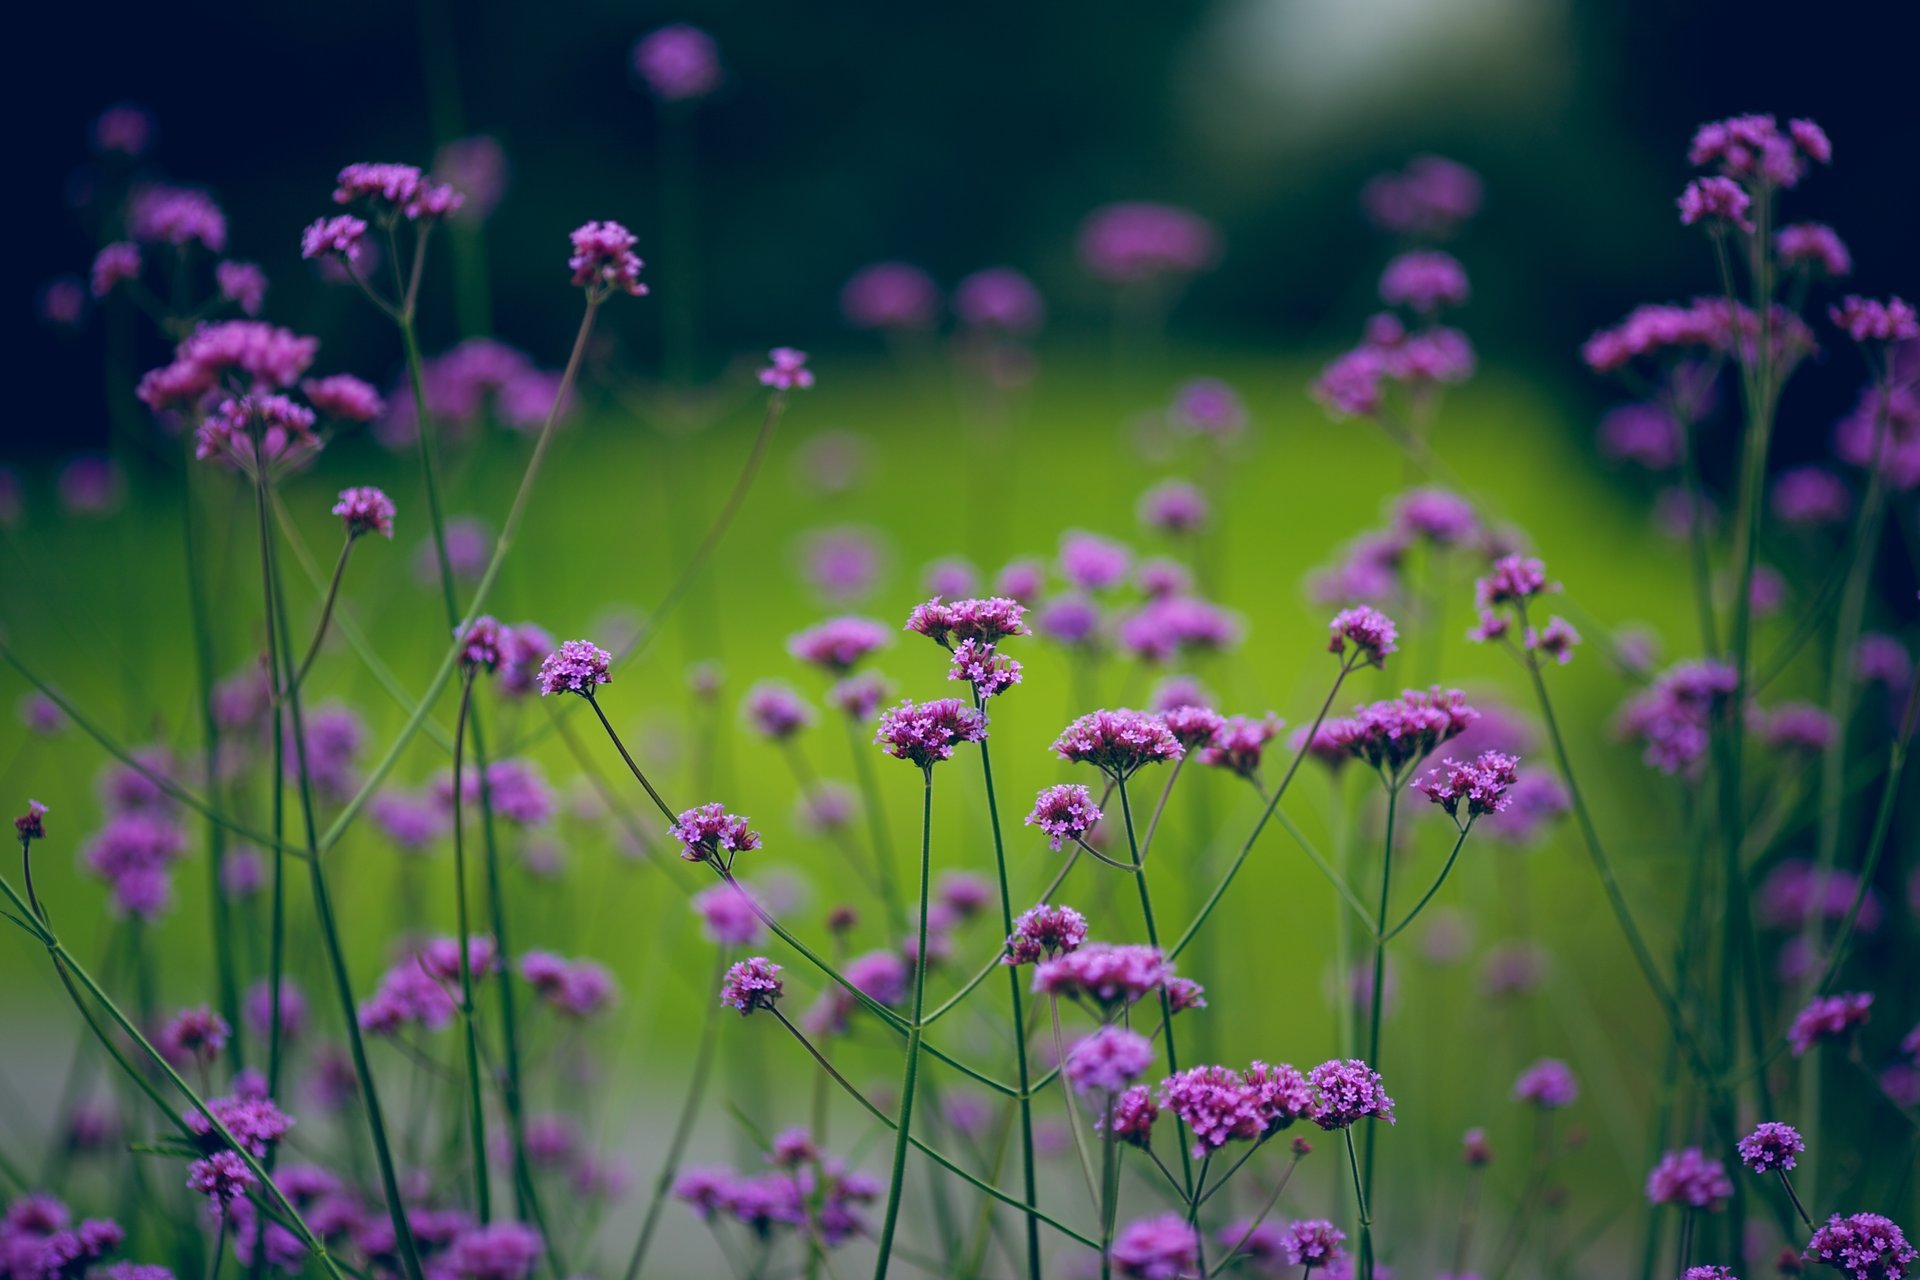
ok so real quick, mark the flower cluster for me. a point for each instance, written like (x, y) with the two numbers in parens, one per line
(1238, 742)
(1689, 1179)
(1137, 242)
(925, 733)
(1370, 632)
(396, 190)
(1771, 1147)
(1828, 1018)
(1043, 932)
(1673, 719)
(1397, 733)
(1108, 1060)
(786, 370)
(1118, 743)
(708, 833)
(839, 644)
(1866, 1246)
(603, 260)
(577, 666)
(1482, 783)
(987, 620)
(575, 988)
(1109, 977)
(752, 984)
(1547, 1084)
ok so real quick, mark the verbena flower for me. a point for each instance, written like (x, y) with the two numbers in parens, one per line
(1238, 744)
(1674, 717)
(1348, 1091)
(1556, 640)
(1208, 407)
(603, 261)
(223, 1178)
(775, 711)
(1108, 1060)
(1871, 320)
(890, 295)
(1118, 743)
(113, 266)
(1171, 626)
(1813, 246)
(575, 988)
(677, 63)
(1194, 727)
(1044, 932)
(1432, 196)
(1811, 497)
(708, 833)
(925, 733)
(1399, 732)
(1715, 201)
(395, 190)
(125, 128)
(1547, 1084)
(1753, 148)
(1424, 280)
(859, 697)
(1828, 1018)
(1481, 784)
(1313, 1242)
(1689, 1179)
(577, 666)
(1771, 1147)
(496, 1251)
(1137, 241)
(258, 433)
(1161, 578)
(988, 620)
(1093, 563)
(999, 299)
(786, 370)
(1370, 632)
(32, 825)
(1072, 620)
(728, 915)
(1174, 507)
(1131, 1117)
(1866, 1246)
(1104, 975)
(343, 397)
(179, 216)
(1157, 1248)
(342, 235)
(752, 984)
(193, 1035)
(989, 672)
(1216, 1104)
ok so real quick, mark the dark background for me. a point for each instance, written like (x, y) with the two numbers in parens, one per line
(956, 137)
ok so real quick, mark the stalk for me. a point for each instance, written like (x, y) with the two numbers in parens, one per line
(476, 1111)
(1375, 1009)
(1166, 1001)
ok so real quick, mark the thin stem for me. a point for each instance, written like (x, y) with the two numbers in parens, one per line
(876, 821)
(632, 766)
(1253, 1225)
(1360, 1199)
(911, 1071)
(1786, 1184)
(1439, 880)
(1109, 1187)
(326, 610)
(1376, 1007)
(683, 1127)
(1073, 1112)
(999, 958)
(1166, 1001)
(476, 1112)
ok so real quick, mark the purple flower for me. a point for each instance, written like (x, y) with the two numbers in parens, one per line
(32, 825)
(989, 672)
(1044, 932)
(1547, 1084)
(1173, 506)
(256, 431)
(1689, 1179)
(1348, 1092)
(178, 216)
(728, 915)
(988, 620)
(411, 822)
(1108, 1060)
(710, 834)
(365, 510)
(1313, 1243)
(925, 733)
(1866, 1246)
(1072, 620)
(1159, 1248)
(396, 189)
(193, 1035)
(258, 1009)
(1118, 743)
(343, 397)
(1443, 518)
(775, 711)
(125, 128)
(890, 295)
(1673, 718)
(1813, 246)
(1000, 299)
(1811, 497)
(1371, 633)
(498, 1251)
(1093, 563)
(1399, 732)
(1021, 580)
(1715, 201)
(1644, 434)
(603, 260)
(1793, 726)
(1771, 1146)
(223, 1178)
(786, 370)
(1281, 1093)
(1064, 812)
(477, 168)
(577, 988)
(1828, 1018)
(1425, 281)
(1134, 242)
(1208, 407)
(1238, 743)
(251, 1118)
(1132, 1115)
(1163, 579)
(1217, 1104)
(1482, 784)
(678, 63)
(114, 265)
(342, 234)
(1194, 727)
(1871, 320)
(1432, 196)
(1108, 976)
(577, 666)
(859, 697)
(1167, 627)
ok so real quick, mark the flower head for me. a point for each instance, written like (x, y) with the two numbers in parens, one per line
(577, 666)
(1132, 1115)
(1108, 1060)
(1159, 1248)
(1866, 1246)
(1000, 299)
(1348, 1092)
(752, 984)
(1547, 1084)
(343, 234)
(890, 295)
(1432, 196)
(678, 63)
(1813, 247)
(1216, 1104)
(1118, 743)
(1369, 631)
(603, 260)
(114, 265)
(1137, 241)
(775, 711)
(1174, 507)
(710, 834)
(1690, 1179)
(786, 370)
(1424, 281)
(365, 510)
(988, 620)
(1208, 407)
(988, 671)
(32, 825)
(925, 733)
(1238, 744)
(392, 190)
(1043, 932)
(343, 397)
(1871, 320)
(1104, 975)
(1828, 1018)
(1715, 201)
(1393, 734)
(1771, 1146)
(1482, 784)
(1064, 812)
(1313, 1243)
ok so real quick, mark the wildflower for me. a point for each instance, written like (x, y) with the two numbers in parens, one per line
(1398, 732)
(331, 742)
(343, 397)
(1108, 976)
(951, 576)
(775, 711)
(890, 295)
(577, 666)
(1131, 1117)
(1238, 743)
(1158, 1248)
(1073, 620)
(1020, 580)
(1871, 320)
(1208, 407)
(1811, 497)
(396, 190)
(1118, 743)
(250, 1117)
(365, 510)
(859, 697)
(1813, 246)
(728, 915)
(1794, 726)
(1753, 148)
(1442, 518)
(1881, 659)
(603, 260)
(340, 235)
(1093, 563)
(577, 988)
(1673, 718)
(678, 63)
(1432, 196)
(1044, 932)
(1348, 1092)
(1715, 201)
(1371, 633)
(477, 168)
(522, 649)
(1134, 242)
(1556, 640)
(179, 216)
(253, 432)
(988, 620)
(1000, 299)
(1547, 1084)
(1313, 1243)
(710, 834)
(1866, 1246)
(1425, 281)
(1217, 1104)
(1474, 1150)
(1167, 627)
(1828, 1018)
(990, 673)
(32, 825)
(497, 1251)
(1644, 434)
(881, 975)
(1689, 1179)
(193, 1035)
(1163, 579)
(1771, 1146)
(125, 128)
(1483, 784)
(1280, 1093)
(1173, 507)
(223, 1178)
(786, 370)
(115, 265)
(1108, 1060)
(257, 1009)
(925, 733)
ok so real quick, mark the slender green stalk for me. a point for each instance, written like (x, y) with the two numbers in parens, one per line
(476, 1111)
(999, 957)
(1110, 1187)
(1439, 880)
(326, 610)
(1360, 1199)
(1253, 1224)
(683, 1127)
(1166, 1001)
(1376, 1007)
(871, 801)
(1877, 843)
(911, 1072)
(1016, 996)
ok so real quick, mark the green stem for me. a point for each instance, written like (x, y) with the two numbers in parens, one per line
(1360, 1199)
(326, 611)
(877, 819)
(1376, 1007)
(911, 1072)
(1253, 1224)
(1439, 880)
(1166, 1001)
(476, 1111)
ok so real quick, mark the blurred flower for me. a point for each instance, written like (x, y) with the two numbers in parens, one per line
(678, 63)
(890, 295)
